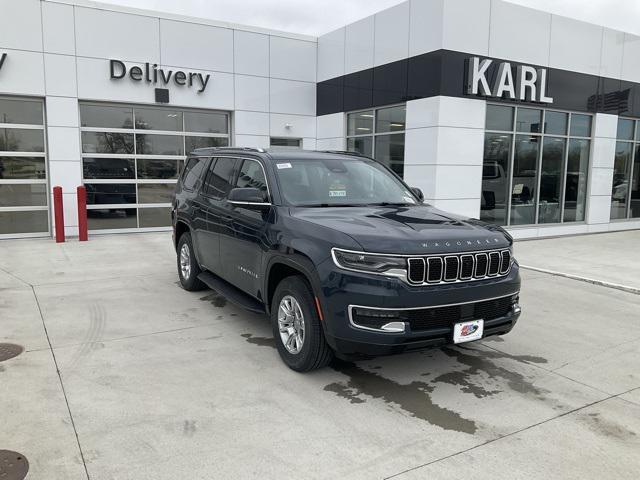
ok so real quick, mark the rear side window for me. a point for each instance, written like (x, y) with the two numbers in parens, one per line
(220, 177)
(252, 176)
(193, 173)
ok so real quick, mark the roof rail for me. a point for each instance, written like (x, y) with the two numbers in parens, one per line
(344, 152)
(247, 149)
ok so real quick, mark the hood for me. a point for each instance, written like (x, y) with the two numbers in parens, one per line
(415, 229)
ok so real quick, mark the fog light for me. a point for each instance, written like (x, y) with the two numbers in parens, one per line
(516, 308)
(396, 327)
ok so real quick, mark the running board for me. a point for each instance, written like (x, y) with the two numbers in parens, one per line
(231, 293)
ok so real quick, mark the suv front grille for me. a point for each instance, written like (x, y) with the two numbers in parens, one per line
(460, 267)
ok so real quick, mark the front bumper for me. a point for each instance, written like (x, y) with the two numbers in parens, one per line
(344, 291)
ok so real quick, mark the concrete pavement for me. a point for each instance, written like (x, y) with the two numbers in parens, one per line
(155, 382)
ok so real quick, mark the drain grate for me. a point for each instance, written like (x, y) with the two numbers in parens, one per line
(9, 350)
(13, 465)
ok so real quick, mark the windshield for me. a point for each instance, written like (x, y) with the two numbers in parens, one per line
(340, 182)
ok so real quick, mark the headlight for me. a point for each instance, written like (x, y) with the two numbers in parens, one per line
(364, 262)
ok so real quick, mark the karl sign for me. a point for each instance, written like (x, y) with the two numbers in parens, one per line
(529, 83)
(153, 74)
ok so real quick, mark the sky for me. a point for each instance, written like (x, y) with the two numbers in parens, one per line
(315, 17)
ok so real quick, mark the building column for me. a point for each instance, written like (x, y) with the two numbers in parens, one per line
(330, 132)
(444, 146)
(601, 172)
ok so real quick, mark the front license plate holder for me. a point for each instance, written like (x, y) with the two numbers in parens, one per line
(468, 331)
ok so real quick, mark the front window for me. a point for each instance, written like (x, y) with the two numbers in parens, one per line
(625, 189)
(379, 134)
(340, 182)
(535, 166)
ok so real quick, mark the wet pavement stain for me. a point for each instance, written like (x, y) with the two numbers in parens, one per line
(607, 428)
(216, 299)
(462, 380)
(262, 341)
(189, 428)
(414, 398)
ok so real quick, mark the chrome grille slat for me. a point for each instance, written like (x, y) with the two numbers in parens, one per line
(462, 267)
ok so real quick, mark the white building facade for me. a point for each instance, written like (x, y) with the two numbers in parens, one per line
(495, 111)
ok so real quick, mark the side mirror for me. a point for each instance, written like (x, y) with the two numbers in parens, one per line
(418, 193)
(248, 198)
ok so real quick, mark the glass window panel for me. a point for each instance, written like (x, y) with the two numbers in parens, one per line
(362, 145)
(555, 122)
(148, 168)
(252, 176)
(21, 140)
(110, 193)
(635, 185)
(111, 218)
(499, 117)
(21, 195)
(390, 151)
(206, 122)
(528, 120)
(286, 142)
(391, 119)
(625, 129)
(159, 144)
(103, 142)
(495, 178)
(620, 186)
(19, 168)
(576, 189)
(156, 192)
(155, 217)
(158, 119)
(580, 125)
(220, 177)
(204, 142)
(104, 116)
(523, 192)
(360, 123)
(20, 111)
(24, 222)
(193, 173)
(551, 179)
(108, 168)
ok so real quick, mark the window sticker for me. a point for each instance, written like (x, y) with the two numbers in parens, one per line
(283, 165)
(337, 189)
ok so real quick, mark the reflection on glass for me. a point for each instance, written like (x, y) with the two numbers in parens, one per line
(360, 123)
(21, 195)
(148, 168)
(625, 129)
(22, 168)
(24, 222)
(156, 192)
(523, 192)
(555, 122)
(21, 140)
(551, 180)
(390, 152)
(362, 145)
(203, 142)
(155, 217)
(111, 218)
(108, 168)
(206, 122)
(528, 120)
(24, 112)
(580, 125)
(104, 142)
(575, 195)
(620, 187)
(495, 178)
(104, 116)
(158, 119)
(159, 144)
(499, 117)
(110, 193)
(391, 119)
(635, 185)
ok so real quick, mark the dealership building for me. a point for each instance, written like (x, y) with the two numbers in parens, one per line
(496, 111)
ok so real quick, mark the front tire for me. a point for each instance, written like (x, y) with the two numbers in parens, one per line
(296, 326)
(188, 268)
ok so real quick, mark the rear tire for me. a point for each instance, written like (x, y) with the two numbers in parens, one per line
(188, 268)
(297, 329)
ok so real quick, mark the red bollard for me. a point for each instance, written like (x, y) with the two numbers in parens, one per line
(83, 234)
(58, 212)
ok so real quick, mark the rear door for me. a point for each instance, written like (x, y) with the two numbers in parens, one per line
(190, 201)
(242, 245)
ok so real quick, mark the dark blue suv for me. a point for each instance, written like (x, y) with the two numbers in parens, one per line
(342, 255)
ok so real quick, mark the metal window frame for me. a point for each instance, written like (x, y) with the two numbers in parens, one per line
(635, 144)
(374, 133)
